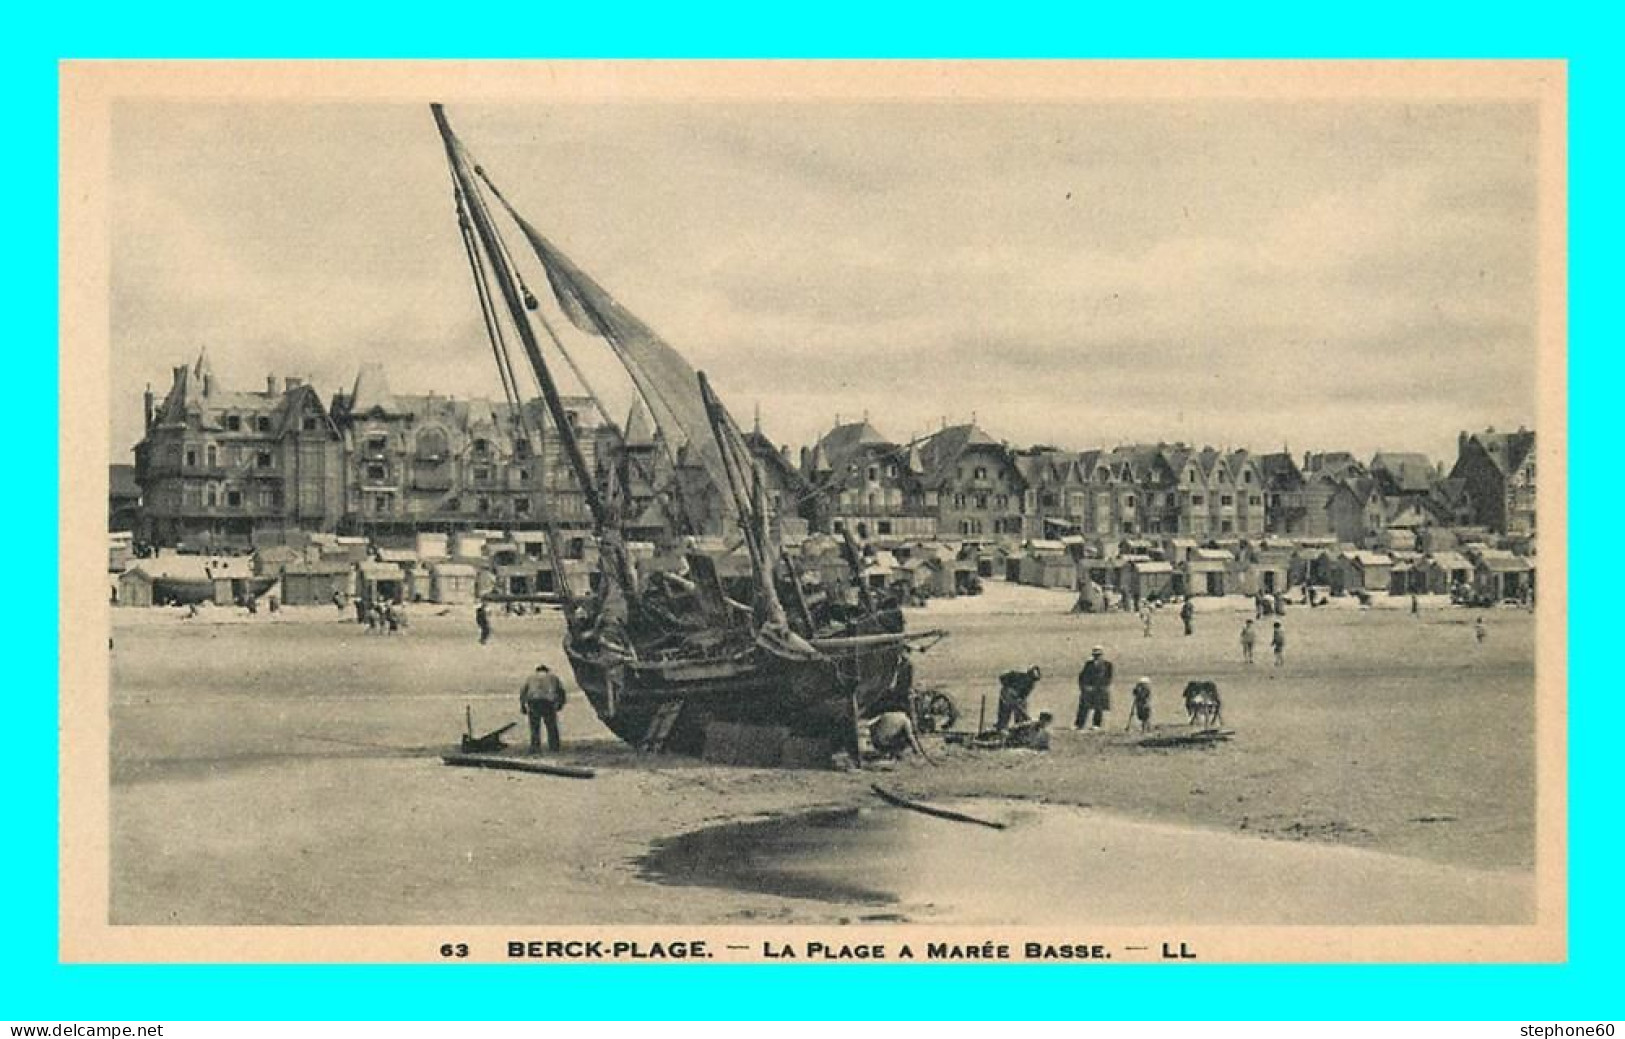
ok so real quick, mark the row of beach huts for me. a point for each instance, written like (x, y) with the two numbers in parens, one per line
(464, 567)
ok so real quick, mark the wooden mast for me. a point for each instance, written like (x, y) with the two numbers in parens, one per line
(506, 283)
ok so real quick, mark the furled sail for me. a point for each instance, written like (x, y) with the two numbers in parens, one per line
(666, 382)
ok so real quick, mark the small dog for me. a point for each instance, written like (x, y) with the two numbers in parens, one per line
(1203, 704)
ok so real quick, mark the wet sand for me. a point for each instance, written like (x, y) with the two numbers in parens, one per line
(283, 770)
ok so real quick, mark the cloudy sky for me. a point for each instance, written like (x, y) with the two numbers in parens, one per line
(1334, 275)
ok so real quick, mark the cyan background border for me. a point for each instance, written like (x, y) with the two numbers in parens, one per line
(34, 986)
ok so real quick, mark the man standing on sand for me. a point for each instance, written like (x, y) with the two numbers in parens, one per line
(1146, 613)
(1278, 644)
(1249, 636)
(1014, 689)
(540, 699)
(1187, 613)
(1479, 631)
(1094, 690)
(482, 620)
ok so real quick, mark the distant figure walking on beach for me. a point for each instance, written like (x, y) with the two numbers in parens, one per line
(1187, 613)
(1146, 613)
(1141, 710)
(1479, 631)
(1094, 690)
(1249, 636)
(1416, 606)
(482, 620)
(540, 699)
(1014, 689)
(360, 612)
(338, 601)
(1278, 644)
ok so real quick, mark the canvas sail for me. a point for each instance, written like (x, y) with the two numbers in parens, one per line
(666, 382)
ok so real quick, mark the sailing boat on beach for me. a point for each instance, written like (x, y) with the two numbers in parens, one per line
(665, 655)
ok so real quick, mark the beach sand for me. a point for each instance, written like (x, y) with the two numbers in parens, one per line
(284, 769)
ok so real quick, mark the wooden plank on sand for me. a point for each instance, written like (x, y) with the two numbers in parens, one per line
(925, 809)
(517, 765)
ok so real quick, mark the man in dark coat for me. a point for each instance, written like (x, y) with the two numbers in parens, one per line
(1094, 690)
(1014, 689)
(540, 699)
(1187, 613)
(482, 620)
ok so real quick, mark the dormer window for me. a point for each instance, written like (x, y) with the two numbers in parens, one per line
(263, 424)
(377, 445)
(234, 422)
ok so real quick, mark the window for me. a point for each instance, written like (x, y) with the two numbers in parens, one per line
(376, 471)
(1050, 500)
(1246, 476)
(883, 527)
(521, 447)
(382, 503)
(521, 506)
(1190, 475)
(266, 497)
(1002, 501)
(234, 422)
(874, 473)
(377, 445)
(1253, 499)
(482, 446)
(482, 505)
(981, 472)
(959, 501)
(1226, 500)
(482, 472)
(1225, 526)
(524, 476)
(234, 499)
(211, 497)
(214, 456)
(1129, 501)
(891, 470)
(1197, 499)
(309, 424)
(263, 424)
(263, 460)
(191, 458)
(981, 501)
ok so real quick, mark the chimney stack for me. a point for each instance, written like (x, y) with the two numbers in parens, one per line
(291, 383)
(146, 399)
(270, 386)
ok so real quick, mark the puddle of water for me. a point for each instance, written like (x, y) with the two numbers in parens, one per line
(1057, 865)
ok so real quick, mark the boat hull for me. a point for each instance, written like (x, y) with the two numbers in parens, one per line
(812, 698)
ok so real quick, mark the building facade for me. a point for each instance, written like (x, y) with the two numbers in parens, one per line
(216, 466)
(1497, 474)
